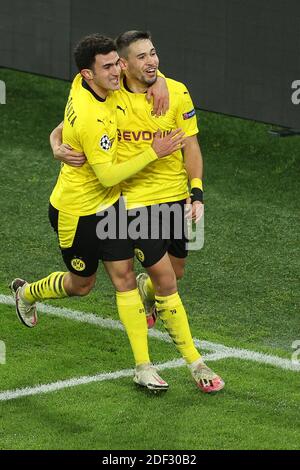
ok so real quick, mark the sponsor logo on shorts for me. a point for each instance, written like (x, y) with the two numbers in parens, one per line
(140, 255)
(78, 264)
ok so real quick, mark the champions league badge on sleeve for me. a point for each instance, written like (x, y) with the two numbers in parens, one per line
(105, 142)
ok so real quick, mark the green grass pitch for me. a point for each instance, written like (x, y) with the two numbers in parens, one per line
(241, 290)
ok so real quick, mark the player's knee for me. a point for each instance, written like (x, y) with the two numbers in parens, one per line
(178, 266)
(166, 284)
(179, 272)
(125, 281)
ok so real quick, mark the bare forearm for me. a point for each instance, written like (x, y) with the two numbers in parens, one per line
(194, 167)
(63, 152)
(56, 136)
(193, 159)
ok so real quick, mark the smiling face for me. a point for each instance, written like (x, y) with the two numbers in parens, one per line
(105, 72)
(141, 62)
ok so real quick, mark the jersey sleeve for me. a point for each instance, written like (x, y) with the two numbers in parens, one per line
(97, 143)
(186, 117)
(160, 74)
(110, 175)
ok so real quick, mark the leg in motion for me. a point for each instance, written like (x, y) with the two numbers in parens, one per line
(173, 315)
(132, 315)
(57, 285)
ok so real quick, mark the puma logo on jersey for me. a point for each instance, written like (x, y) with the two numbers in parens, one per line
(103, 122)
(121, 109)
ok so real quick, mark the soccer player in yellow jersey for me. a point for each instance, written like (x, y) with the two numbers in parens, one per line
(162, 182)
(82, 194)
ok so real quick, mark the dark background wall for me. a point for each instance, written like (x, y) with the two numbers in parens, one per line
(237, 57)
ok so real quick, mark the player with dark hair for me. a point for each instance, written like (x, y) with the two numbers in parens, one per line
(82, 195)
(162, 183)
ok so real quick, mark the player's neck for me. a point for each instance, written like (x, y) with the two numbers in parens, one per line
(135, 86)
(101, 92)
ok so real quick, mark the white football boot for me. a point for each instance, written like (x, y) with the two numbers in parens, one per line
(146, 375)
(206, 379)
(26, 312)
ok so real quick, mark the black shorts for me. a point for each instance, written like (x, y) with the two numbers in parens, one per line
(79, 241)
(163, 231)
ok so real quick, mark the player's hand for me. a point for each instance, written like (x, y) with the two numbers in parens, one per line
(164, 146)
(160, 94)
(67, 155)
(196, 210)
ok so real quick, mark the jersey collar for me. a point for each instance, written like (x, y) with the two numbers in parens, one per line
(88, 88)
(125, 85)
(128, 89)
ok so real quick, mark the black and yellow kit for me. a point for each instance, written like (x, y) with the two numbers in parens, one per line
(165, 180)
(89, 126)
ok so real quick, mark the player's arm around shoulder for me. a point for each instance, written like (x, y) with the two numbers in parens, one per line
(65, 152)
(111, 174)
(159, 92)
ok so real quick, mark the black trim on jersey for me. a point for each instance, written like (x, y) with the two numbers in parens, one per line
(127, 88)
(88, 88)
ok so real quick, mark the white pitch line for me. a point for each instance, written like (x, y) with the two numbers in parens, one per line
(74, 382)
(91, 318)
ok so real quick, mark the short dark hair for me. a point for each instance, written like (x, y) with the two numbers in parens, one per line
(86, 50)
(124, 40)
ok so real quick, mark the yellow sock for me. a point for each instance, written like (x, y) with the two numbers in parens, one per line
(173, 315)
(149, 289)
(51, 287)
(132, 315)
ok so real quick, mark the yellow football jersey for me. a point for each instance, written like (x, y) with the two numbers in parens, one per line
(89, 126)
(164, 180)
